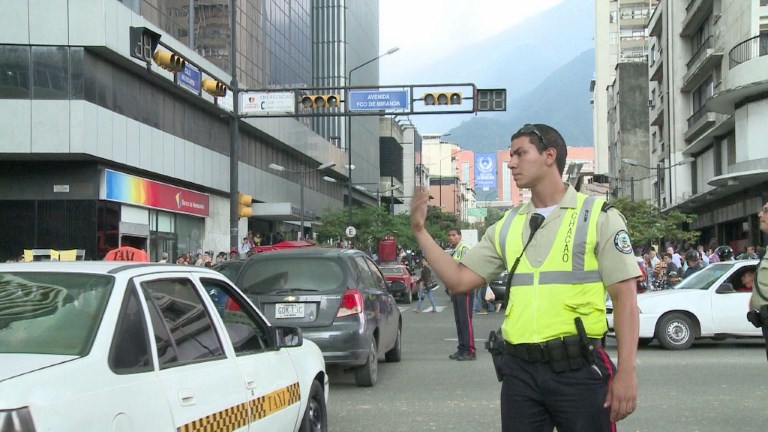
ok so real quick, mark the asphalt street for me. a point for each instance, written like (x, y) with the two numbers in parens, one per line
(714, 386)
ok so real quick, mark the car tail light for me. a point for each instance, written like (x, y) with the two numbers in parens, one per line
(351, 303)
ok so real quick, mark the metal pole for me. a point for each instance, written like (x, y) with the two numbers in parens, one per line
(632, 188)
(234, 134)
(301, 204)
(349, 154)
(658, 185)
(192, 25)
(392, 194)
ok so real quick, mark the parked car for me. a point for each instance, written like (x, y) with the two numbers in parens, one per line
(401, 281)
(499, 288)
(709, 303)
(339, 298)
(120, 346)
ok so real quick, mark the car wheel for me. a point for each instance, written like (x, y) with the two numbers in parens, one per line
(675, 331)
(367, 374)
(394, 354)
(316, 416)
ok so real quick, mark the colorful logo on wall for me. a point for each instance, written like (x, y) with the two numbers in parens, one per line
(148, 193)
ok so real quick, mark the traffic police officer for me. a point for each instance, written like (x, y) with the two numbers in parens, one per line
(554, 371)
(462, 305)
(758, 304)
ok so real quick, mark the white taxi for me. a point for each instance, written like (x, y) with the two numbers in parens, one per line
(104, 346)
(711, 303)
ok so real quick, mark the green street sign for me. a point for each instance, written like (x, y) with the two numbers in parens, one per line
(477, 212)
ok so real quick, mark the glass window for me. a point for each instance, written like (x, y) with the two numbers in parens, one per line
(365, 272)
(54, 313)
(378, 278)
(290, 274)
(247, 332)
(76, 86)
(50, 67)
(130, 351)
(14, 79)
(181, 324)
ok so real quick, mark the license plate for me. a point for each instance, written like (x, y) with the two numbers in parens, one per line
(289, 310)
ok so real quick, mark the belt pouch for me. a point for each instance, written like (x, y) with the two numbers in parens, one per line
(575, 356)
(558, 361)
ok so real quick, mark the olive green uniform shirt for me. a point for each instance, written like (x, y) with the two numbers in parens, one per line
(760, 286)
(616, 261)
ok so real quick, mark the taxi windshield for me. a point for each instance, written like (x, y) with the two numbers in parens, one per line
(51, 313)
(703, 279)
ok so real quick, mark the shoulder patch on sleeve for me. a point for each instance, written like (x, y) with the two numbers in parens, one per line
(606, 207)
(622, 242)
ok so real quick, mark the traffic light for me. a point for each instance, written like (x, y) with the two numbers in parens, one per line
(169, 61)
(244, 203)
(320, 101)
(442, 98)
(214, 88)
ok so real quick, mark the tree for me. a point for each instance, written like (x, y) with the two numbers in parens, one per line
(647, 225)
(372, 223)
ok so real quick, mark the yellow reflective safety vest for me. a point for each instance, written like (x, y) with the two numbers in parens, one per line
(460, 251)
(544, 301)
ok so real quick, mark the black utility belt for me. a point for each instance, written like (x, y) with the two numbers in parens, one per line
(568, 353)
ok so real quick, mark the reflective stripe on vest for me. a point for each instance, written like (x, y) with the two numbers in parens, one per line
(567, 284)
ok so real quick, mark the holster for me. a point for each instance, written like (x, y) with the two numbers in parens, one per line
(759, 319)
(495, 346)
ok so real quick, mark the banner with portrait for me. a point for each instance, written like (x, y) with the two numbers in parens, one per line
(485, 170)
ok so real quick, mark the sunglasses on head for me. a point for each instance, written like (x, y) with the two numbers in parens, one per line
(531, 129)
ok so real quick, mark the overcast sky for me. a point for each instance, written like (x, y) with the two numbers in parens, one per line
(430, 29)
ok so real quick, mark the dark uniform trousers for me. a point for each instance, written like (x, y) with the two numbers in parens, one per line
(536, 399)
(462, 314)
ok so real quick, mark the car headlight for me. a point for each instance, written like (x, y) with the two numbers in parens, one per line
(16, 420)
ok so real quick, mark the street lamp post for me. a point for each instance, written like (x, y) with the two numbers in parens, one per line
(302, 174)
(349, 127)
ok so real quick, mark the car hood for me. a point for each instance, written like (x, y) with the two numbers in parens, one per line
(13, 365)
(667, 299)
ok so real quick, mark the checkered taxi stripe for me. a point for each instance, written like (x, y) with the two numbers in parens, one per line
(237, 416)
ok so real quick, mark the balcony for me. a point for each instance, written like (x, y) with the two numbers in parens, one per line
(696, 12)
(701, 64)
(748, 75)
(698, 122)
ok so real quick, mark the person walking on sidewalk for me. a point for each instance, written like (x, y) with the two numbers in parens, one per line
(426, 283)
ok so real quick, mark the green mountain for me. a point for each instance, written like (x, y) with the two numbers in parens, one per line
(562, 100)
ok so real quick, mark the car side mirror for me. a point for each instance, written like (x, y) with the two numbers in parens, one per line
(289, 337)
(725, 288)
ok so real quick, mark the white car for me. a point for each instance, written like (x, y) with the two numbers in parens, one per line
(710, 303)
(116, 346)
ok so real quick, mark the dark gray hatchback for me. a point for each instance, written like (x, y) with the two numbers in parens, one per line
(338, 297)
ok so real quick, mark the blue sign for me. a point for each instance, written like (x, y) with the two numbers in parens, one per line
(189, 78)
(485, 170)
(377, 100)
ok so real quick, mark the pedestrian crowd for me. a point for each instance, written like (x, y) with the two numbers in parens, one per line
(672, 267)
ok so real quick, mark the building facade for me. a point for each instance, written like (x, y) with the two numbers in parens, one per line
(620, 37)
(99, 149)
(708, 68)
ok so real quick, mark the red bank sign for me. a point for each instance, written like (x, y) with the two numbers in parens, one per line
(148, 193)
